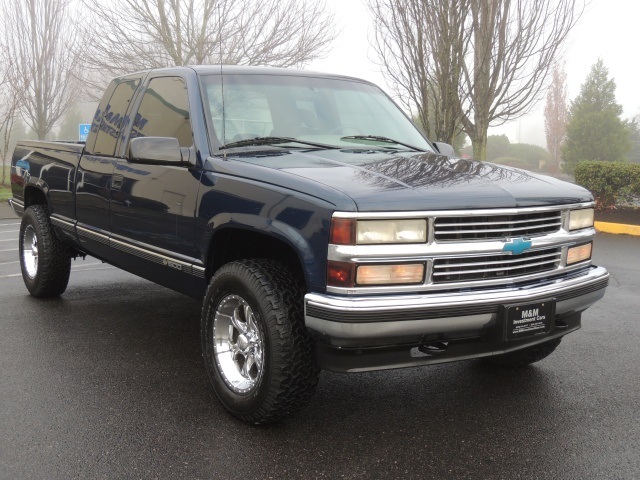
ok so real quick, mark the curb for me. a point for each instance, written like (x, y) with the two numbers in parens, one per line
(618, 228)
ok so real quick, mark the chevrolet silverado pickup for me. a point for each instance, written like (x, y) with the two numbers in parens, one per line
(318, 225)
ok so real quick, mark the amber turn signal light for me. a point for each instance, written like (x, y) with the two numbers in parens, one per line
(579, 253)
(340, 274)
(343, 231)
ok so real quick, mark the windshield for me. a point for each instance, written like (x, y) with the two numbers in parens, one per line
(329, 111)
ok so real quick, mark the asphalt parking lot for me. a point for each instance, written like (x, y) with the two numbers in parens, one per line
(107, 382)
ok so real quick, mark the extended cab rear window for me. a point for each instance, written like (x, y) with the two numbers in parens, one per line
(111, 118)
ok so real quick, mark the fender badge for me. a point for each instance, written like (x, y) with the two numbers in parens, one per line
(517, 246)
(170, 264)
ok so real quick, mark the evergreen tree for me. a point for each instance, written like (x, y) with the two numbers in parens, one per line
(595, 130)
(634, 127)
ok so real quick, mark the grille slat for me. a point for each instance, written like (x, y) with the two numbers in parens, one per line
(451, 229)
(501, 262)
(511, 230)
(484, 270)
(443, 223)
(460, 269)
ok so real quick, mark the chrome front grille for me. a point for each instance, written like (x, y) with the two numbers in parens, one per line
(465, 249)
(489, 267)
(486, 227)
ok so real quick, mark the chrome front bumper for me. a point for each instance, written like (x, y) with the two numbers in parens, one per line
(386, 317)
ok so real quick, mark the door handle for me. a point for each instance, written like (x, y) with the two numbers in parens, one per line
(116, 181)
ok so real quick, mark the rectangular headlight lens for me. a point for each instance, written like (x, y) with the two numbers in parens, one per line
(390, 274)
(582, 218)
(579, 253)
(369, 232)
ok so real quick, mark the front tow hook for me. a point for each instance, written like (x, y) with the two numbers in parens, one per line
(437, 348)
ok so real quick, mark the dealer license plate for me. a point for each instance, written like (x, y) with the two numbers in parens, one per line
(530, 319)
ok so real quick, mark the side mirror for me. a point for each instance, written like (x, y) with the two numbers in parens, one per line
(445, 149)
(156, 150)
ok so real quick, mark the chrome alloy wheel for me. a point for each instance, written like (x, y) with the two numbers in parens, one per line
(30, 251)
(238, 346)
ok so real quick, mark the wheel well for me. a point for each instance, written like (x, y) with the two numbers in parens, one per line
(236, 244)
(34, 196)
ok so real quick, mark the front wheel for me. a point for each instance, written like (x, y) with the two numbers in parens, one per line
(44, 260)
(525, 356)
(258, 354)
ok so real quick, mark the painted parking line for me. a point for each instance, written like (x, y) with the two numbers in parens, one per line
(9, 240)
(8, 231)
(73, 267)
(7, 224)
(9, 263)
(109, 267)
(9, 250)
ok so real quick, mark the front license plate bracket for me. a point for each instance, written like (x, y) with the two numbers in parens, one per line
(529, 319)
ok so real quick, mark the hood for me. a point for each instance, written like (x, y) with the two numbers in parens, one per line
(381, 181)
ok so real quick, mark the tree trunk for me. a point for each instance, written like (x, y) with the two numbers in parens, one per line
(479, 142)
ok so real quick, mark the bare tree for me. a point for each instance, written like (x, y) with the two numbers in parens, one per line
(420, 44)
(514, 45)
(9, 101)
(39, 37)
(556, 114)
(503, 48)
(127, 35)
(447, 38)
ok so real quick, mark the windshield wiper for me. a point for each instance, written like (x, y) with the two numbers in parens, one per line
(378, 138)
(250, 142)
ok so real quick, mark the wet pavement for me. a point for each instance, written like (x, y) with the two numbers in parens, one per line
(108, 382)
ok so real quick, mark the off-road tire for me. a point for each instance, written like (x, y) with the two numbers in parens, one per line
(289, 370)
(53, 264)
(524, 357)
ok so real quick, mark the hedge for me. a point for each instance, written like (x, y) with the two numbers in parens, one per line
(611, 183)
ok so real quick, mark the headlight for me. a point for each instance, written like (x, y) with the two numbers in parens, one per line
(347, 231)
(370, 232)
(582, 218)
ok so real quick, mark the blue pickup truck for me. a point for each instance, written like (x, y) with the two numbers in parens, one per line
(318, 225)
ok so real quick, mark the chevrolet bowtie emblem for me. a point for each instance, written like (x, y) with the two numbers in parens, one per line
(517, 246)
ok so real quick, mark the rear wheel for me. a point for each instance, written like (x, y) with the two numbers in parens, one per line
(524, 357)
(258, 354)
(44, 260)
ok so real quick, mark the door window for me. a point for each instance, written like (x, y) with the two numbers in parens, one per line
(164, 111)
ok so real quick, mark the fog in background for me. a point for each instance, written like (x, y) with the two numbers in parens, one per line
(607, 30)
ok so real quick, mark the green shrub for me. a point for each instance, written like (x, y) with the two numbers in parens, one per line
(499, 147)
(610, 182)
(532, 154)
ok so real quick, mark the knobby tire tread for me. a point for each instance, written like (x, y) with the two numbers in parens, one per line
(54, 262)
(294, 372)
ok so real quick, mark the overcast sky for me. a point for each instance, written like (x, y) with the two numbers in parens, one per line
(607, 30)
